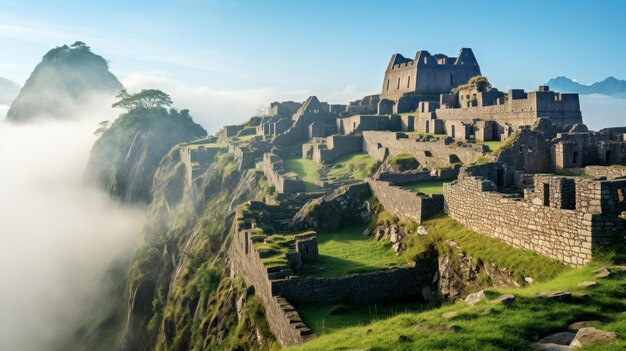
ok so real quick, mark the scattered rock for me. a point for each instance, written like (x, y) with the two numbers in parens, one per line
(601, 273)
(529, 280)
(586, 336)
(562, 338)
(619, 268)
(449, 315)
(587, 284)
(379, 233)
(584, 324)
(555, 295)
(506, 299)
(421, 230)
(453, 244)
(397, 247)
(435, 327)
(474, 298)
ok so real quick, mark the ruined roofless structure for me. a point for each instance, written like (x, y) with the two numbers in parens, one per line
(427, 74)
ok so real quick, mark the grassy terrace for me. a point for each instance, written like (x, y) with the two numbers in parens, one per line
(427, 187)
(492, 326)
(325, 319)
(357, 166)
(348, 251)
(274, 247)
(195, 146)
(307, 170)
(488, 325)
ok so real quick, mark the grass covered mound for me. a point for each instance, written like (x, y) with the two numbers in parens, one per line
(403, 162)
(325, 319)
(347, 251)
(357, 166)
(306, 170)
(521, 263)
(494, 326)
(426, 187)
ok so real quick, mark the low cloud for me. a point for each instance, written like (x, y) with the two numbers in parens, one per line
(216, 108)
(58, 237)
(601, 111)
(3, 111)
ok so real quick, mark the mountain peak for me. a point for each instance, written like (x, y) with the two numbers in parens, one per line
(610, 86)
(67, 76)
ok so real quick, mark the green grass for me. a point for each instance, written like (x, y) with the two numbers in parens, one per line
(521, 263)
(307, 170)
(503, 327)
(493, 144)
(206, 146)
(403, 162)
(347, 251)
(358, 166)
(427, 187)
(325, 319)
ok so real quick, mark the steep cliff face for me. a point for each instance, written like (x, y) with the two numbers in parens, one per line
(180, 294)
(65, 80)
(124, 159)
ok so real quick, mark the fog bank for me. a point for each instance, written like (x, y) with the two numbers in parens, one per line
(57, 237)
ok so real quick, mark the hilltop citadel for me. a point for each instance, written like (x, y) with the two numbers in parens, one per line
(517, 166)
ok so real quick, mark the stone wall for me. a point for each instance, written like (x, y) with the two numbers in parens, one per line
(280, 314)
(604, 171)
(274, 170)
(412, 176)
(405, 203)
(332, 147)
(197, 160)
(389, 285)
(568, 235)
(431, 152)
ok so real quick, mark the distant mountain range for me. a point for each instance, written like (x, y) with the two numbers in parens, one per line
(611, 87)
(8, 91)
(66, 79)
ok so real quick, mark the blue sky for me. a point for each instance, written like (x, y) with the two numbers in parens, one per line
(330, 48)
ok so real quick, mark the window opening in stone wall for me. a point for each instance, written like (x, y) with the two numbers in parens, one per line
(575, 157)
(387, 84)
(607, 158)
(408, 82)
(398, 84)
(546, 194)
(451, 82)
(500, 177)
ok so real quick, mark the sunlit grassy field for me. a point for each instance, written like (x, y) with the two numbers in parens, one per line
(307, 170)
(348, 251)
(357, 165)
(427, 187)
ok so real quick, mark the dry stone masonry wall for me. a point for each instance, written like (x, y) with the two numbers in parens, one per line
(546, 219)
(405, 203)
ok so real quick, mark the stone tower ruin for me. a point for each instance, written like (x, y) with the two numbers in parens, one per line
(427, 74)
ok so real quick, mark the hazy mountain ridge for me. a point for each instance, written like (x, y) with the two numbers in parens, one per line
(8, 91)
(67, 77)
(611, 86)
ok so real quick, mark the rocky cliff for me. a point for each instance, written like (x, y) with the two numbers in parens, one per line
(65, 81)
(180, 294)
(124, 159)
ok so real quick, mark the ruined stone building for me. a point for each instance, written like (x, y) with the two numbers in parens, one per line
(427, 74)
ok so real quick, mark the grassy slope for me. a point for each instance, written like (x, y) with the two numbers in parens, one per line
(307, 170)
(347, 251)
(357, 165)
(504, 328)
(521, 263)
(427, 187)
(325, 319)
